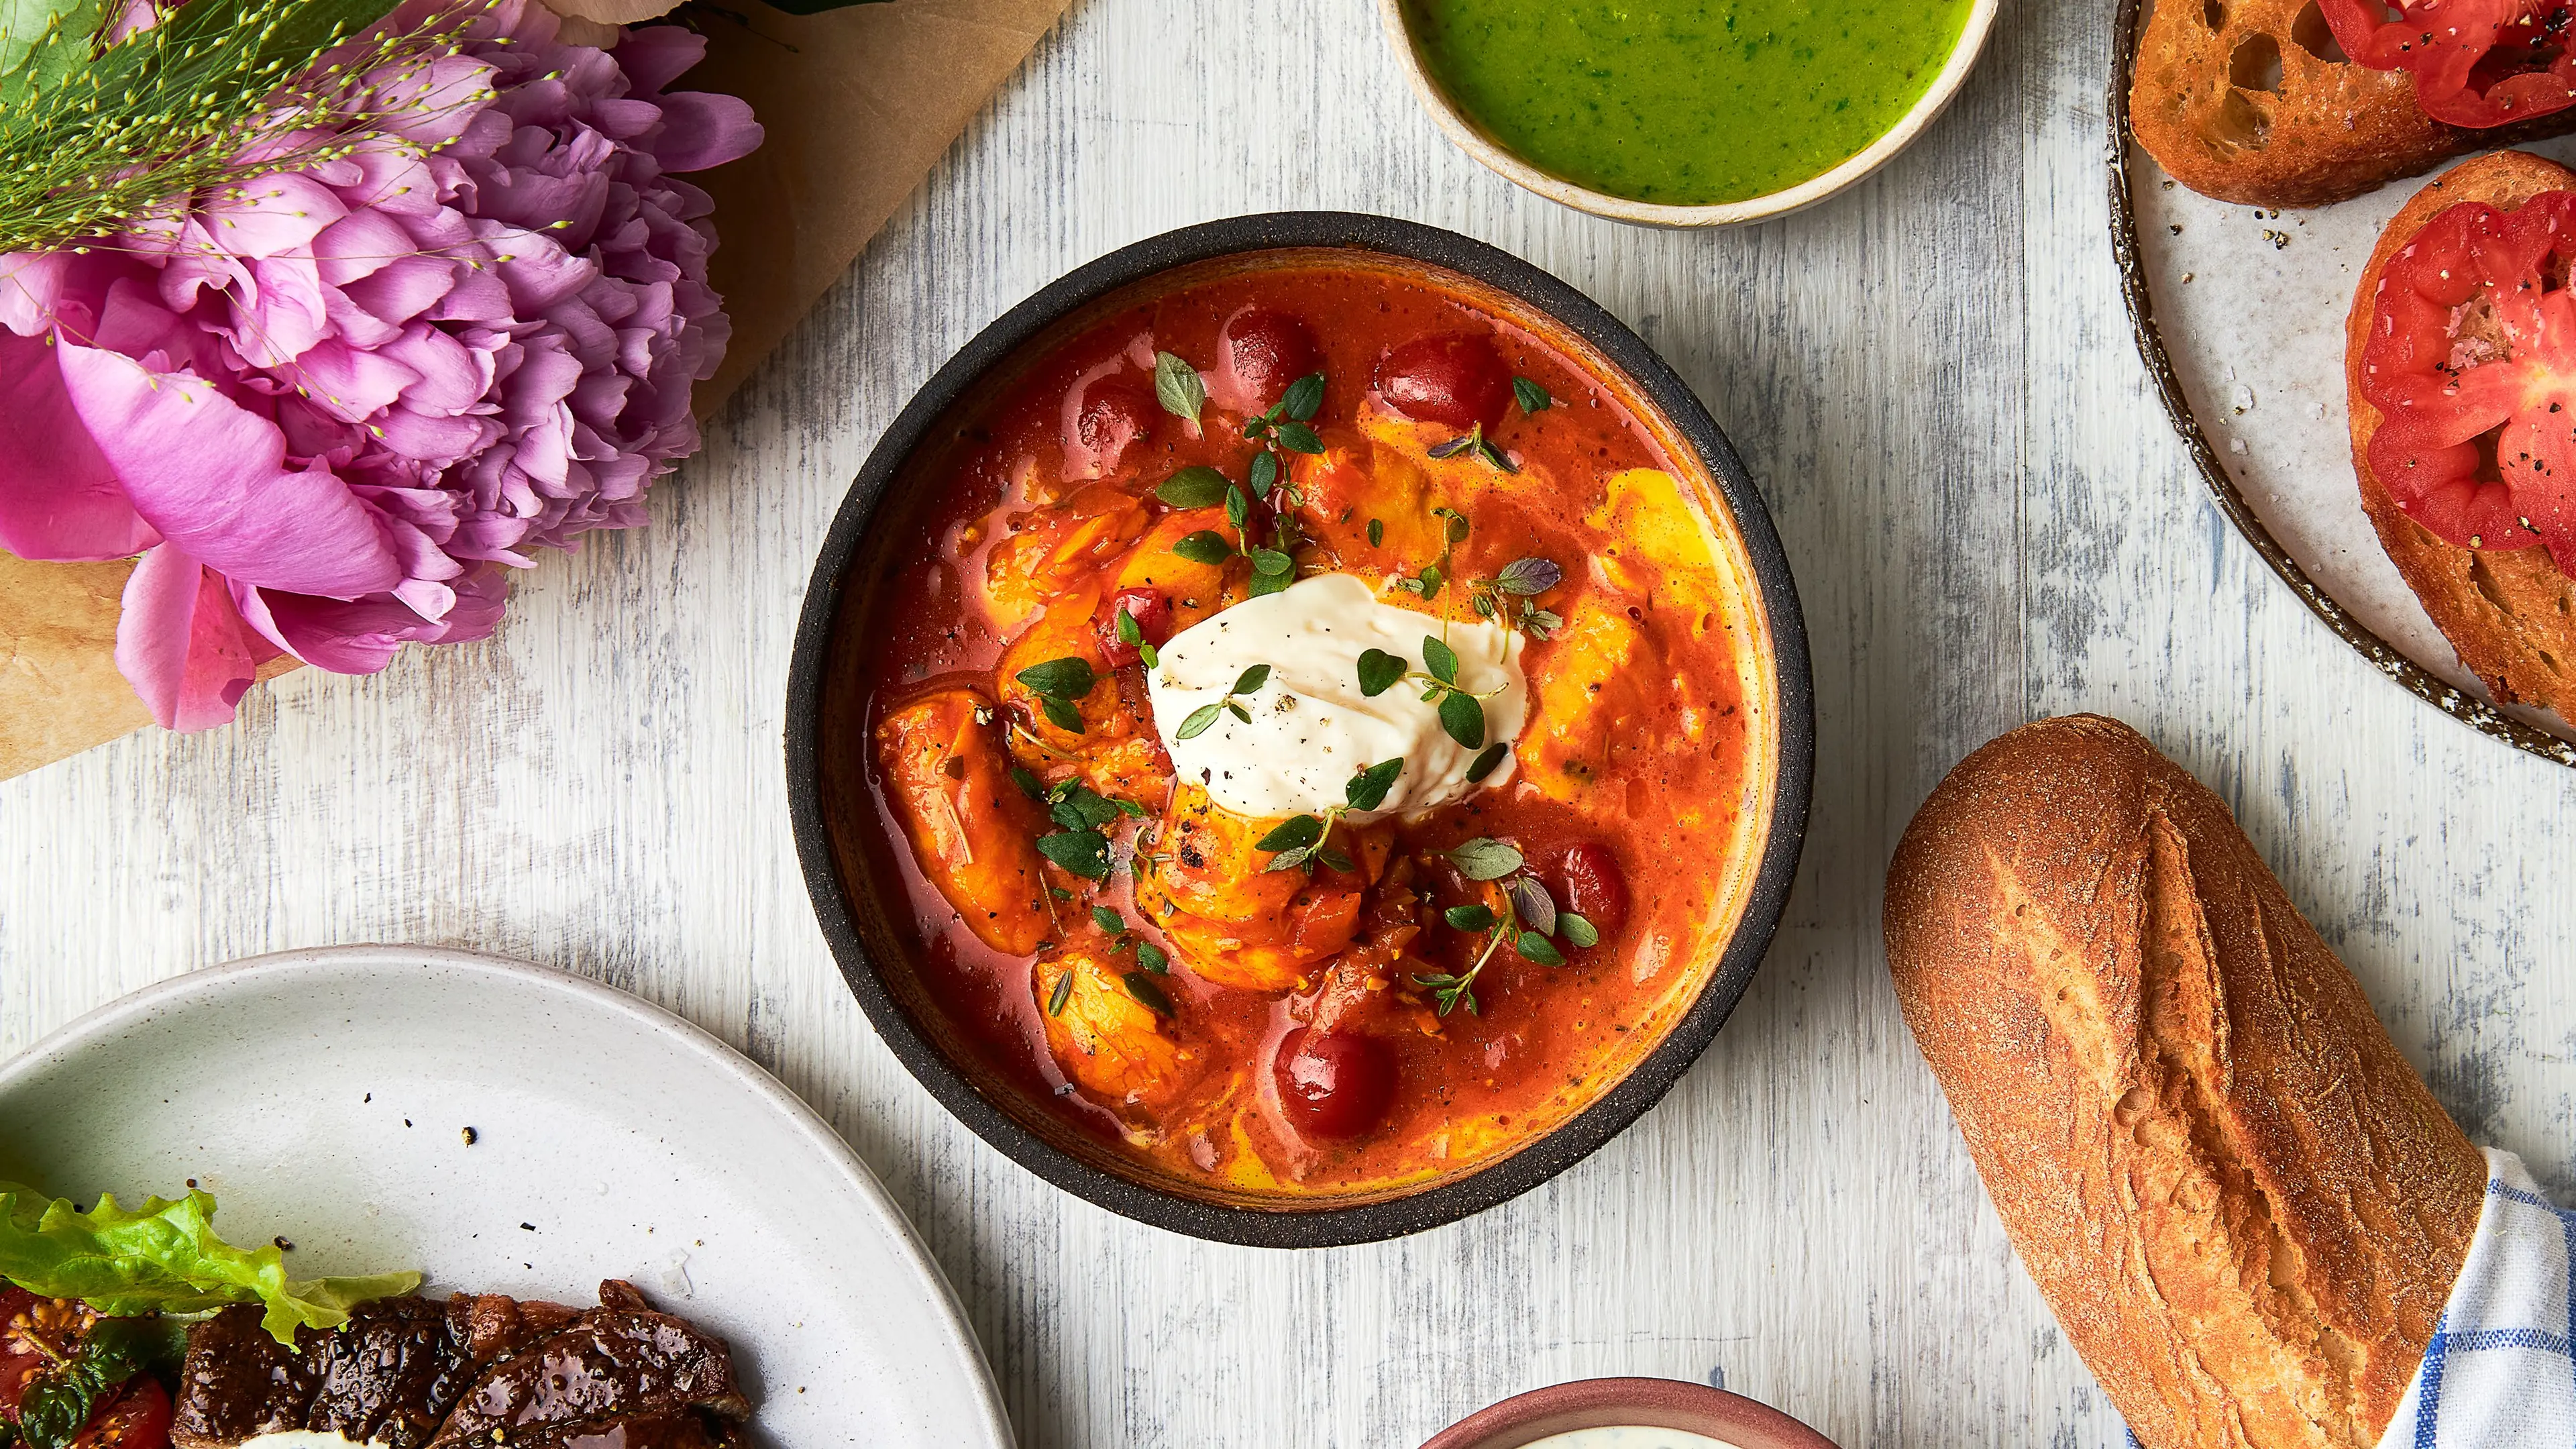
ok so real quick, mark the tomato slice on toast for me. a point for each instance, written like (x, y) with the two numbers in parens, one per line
(2475, 62)
(2471, 362)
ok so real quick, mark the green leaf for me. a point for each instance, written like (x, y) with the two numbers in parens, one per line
(1264, 585)
(164, 1257)
(1146, 653)
(1454, 446)
(1196, 486)
(1483, 858)
(1578, 932)
(1531, 396)
(27, 25)
(1109, 920)
(1198, 721)
(1129, 633)
(1083, 808)
(1063, 993)
(1272, 562)
(1496, 456)
(1289, 859)
(1251, 680)
(1030, 785)
(1067, 678)
(1542, 623)
(1151, 957)
(1457, 523)
(1299, 438)
(1177, 387)
(1463, 718)
(1332, 859)
(1060, 714)
(1380, 672)
(1204, 547)
(1532, 903)
(1367, 789)
(1126, 806)
(1469, 918)
(1294, 833)
(1303, 397)
(1265, 472)
(1527, 576)
(1238, 711)
(1238, 509)
(1377, 533)
(1440, 659)
(1427, 584)
(1143, 986)
(1083, 852)
(1485, 762)
(1535, 947)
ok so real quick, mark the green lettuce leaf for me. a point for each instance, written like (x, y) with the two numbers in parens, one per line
(164, 1257)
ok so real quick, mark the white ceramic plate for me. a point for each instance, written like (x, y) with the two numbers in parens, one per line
(324, 1096)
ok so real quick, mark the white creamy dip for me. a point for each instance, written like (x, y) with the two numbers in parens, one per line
(1311, 729)
(1629, 1438)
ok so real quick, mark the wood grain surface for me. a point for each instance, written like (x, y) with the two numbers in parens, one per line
(1990, 522)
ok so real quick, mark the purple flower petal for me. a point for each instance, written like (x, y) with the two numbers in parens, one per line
(59, 500)
(703, 129)
(181, 644)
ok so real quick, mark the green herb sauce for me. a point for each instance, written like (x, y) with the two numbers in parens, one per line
(1686, 102)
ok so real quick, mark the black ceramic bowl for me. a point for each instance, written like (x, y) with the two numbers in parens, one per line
(846, 860)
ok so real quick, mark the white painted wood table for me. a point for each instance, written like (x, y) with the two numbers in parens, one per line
(1990, 521)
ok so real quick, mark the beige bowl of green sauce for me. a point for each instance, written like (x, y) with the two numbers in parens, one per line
(1686, 112)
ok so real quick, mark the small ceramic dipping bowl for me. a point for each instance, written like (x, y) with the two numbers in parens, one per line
(1596, 1404)
(1474, 140)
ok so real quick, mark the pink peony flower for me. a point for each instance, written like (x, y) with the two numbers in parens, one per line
(330, 406)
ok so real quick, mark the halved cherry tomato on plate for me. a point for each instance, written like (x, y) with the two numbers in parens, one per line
(2472, 363)
(2475, 62)
(136, 1416)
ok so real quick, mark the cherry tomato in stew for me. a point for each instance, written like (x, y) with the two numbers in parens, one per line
(1152, 612)
(136, 1416)
(1590, 883)
(1454, 378)
(1334, 1084)
(1260, 352)
(1110, 416)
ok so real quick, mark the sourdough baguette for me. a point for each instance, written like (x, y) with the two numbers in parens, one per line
(2511, 615)
(2262, 108)
(2242, 1203)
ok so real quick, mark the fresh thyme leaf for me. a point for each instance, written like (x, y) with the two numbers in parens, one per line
(1299, 438)
(1303, 397)
(1060, 893)
(1333, 859)
(1469, 918)
(1454, 446)
(1367, 789)
(1289, 859)
(1530, 395)
(1265, 472)
(1484, 604)
(1199, 720)
(1109, 920)
(1251, 680)
(1060, 714)
(1063, 993)
(1129, 807)
(1532, 903)
(1450, 990)
(1083, 808)
(1464, 718)
(1151, 957)
(1129, 633)
(1457, 526)
(1542, 623)
(1206, 546)
(1195, 486)
(1271, 561)
(1440, 659)
(1294, 833)
(1483, 858)
(1145, 653)
(1377, 533)
(1237, 507)
(1578, 932)
(1536, 947)
(1238, 711)
(1264, 585)
(1428, 583)
(1067, 678)
(1380, 672)
(1083, 852)
(1030, 785)
(1497, 457)
(1529, 576)
(1142, 986)
(1178, 387)
(1485, 763)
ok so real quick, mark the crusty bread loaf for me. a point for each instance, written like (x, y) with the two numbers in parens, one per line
(2244, 1206)
(2511, 615)
(2252, 101)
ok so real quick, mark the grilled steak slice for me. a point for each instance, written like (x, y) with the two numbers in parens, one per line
(614, 1365)
(390, 1376)
(237, 1382)
(492, 1326)
(687, 1429)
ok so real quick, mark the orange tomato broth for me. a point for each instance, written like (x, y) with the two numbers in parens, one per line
(1678, 736)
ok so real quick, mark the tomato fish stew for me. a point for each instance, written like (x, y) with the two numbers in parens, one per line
(1325, 735)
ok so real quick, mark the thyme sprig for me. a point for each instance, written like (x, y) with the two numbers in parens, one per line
(1248, 682)
(1533, 920)
(1303, 840)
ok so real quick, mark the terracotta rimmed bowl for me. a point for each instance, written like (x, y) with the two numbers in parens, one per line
(1620, 1403)
(1471, 138)
(849, 864)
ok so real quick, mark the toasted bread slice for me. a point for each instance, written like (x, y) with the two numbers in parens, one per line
(2252, 101)
(2511, 615)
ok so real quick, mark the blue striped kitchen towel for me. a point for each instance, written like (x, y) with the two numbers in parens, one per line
(2502, 1366)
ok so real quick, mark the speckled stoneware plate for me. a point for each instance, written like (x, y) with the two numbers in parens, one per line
(2240, 316)
(324, 1096)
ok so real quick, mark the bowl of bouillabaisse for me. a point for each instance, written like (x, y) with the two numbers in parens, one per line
(1301, 730)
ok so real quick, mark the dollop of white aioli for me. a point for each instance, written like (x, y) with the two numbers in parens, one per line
(1311, 729)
